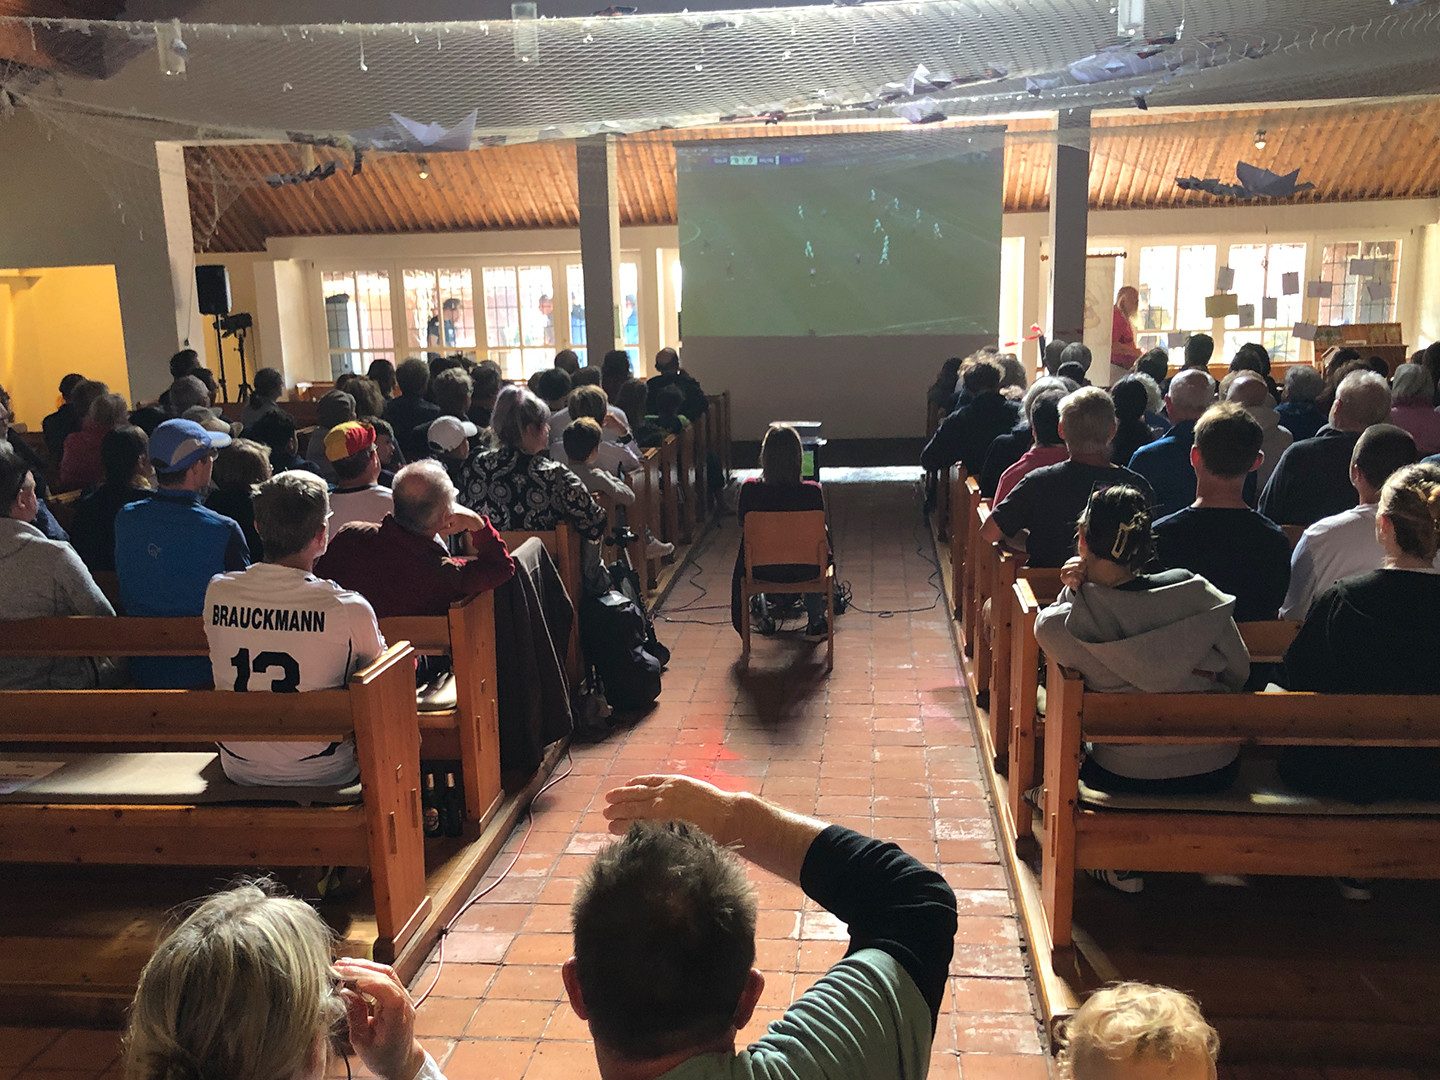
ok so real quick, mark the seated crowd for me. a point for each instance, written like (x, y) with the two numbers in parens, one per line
(396, 499)
(1224, 516)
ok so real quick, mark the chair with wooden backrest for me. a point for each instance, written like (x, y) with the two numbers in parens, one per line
(383, 832)
(795, 537)
(563, 544)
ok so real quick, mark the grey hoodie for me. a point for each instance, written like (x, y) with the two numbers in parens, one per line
(1150, 641)
(41, 577)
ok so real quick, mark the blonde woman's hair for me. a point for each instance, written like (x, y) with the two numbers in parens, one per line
(782, 458)
(1135, 1022)
(242, 989)
(1411, 500)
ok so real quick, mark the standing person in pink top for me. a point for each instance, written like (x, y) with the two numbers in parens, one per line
(1411, 391)
(1048, 447)
(1123, 350)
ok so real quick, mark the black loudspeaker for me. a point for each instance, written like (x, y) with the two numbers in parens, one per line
(212, 287)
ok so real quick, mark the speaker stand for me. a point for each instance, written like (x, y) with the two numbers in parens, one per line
(220, 360)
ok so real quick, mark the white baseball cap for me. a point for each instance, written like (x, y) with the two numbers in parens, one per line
(448, 432)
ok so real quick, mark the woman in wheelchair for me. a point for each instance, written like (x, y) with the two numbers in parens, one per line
(779, 489)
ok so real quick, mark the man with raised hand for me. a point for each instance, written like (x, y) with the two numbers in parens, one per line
(665, 942)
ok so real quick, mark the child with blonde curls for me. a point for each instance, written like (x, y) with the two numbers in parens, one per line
(1132, 1031)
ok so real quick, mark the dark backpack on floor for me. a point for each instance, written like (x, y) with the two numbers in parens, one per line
(613, 634)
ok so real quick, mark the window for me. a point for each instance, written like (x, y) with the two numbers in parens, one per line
(358, 326)
(519, 318)
(575, 294)
(1174, 282)
(439, 311)
(629, 312)
(1360, 298)
(1259, 274)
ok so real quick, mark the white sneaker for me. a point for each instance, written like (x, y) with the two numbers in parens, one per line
(1357, 889)
(658, 549)
(1126, 881)
(1226, 881)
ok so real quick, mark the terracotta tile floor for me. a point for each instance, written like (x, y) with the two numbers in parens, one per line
(882, 744)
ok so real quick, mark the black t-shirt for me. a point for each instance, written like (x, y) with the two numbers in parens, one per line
(1048, 502)
(1240, 552)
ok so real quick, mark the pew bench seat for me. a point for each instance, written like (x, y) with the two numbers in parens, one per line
(1257, 790)
(161, 778)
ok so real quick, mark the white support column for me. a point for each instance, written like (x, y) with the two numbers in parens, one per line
(179, 240)
(599, 242)
(1069, 225)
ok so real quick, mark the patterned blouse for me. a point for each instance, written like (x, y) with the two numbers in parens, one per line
(528, 493)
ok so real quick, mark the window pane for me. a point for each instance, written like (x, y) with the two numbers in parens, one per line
(502, 307)
(357, 318)
(575, 293)
(509, 361)
(1248, 262)
(439, 310)
(1157, 288)
(629, 290)
(533, 360)
(1194, 282)
(537, 319)
(1379, 307)
(1283, 259)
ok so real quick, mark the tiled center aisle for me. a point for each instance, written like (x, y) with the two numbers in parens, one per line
(882, 744)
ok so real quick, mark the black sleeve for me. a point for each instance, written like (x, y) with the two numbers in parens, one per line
(1013, 513)
(943, 449)
(1309, 663)
(890, 900)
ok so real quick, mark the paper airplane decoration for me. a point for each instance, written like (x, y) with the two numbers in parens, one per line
(404, 135)
(925, 111)
(320, 172)
(1152, 62)
(1255, 183)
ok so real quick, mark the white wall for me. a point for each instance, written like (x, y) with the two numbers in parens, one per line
(54, 213)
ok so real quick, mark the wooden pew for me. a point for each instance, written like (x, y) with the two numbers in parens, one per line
(1009, 570)
(669, 473)
(974, 506)
(1372, 843)
(466, 633)
(649, 509)
(384, 832)
(959, 537)
(1266, 642)
(563, 544)
(685, 465)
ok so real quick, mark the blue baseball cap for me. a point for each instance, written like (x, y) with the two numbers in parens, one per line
(177, 444)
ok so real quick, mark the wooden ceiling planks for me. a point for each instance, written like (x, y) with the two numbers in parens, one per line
(1350, 151)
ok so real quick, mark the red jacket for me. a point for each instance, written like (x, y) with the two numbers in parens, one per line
(404, 574)
(81, 465)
